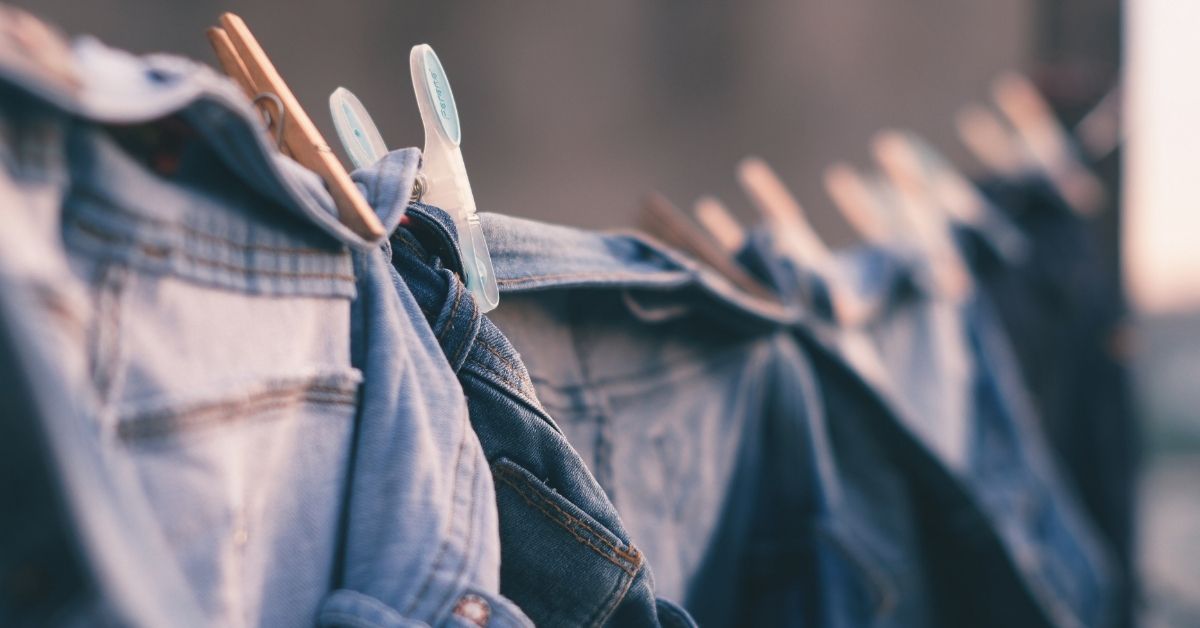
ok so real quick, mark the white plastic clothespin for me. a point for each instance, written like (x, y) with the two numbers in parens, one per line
(443, 180)
(359, 135)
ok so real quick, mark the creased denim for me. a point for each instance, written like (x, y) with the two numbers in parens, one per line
(690, 403)
(238, 375)
(1005, 490)
(1076, 373)
(566, 559)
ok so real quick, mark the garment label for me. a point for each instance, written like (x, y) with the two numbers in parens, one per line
(438, 88)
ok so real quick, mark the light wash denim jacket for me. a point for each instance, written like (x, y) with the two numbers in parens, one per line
(276, 437)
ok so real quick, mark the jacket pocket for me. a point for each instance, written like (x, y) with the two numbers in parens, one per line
(557, 563)
(237, 412)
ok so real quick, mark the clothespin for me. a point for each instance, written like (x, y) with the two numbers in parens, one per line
(244, 59)
(963, 202)
(928, 223)
(661, 219)
(720, 223)
(1048, 142)
(357, 131)
(38, 48)
(991, 142)
(442, 180)
(782, 211)
(950, 188)
(1100, 130)
(860, 205)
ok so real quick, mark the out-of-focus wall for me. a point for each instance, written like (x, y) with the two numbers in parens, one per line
(571, 111)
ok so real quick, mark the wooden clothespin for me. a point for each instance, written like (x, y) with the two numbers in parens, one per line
(991, 142)
(858, 203)
(1100, 130)
(782, 211)
(661, 219)
(1048, 141)
(720, 223)
(949, 187)
(244, 60)
(928, 223)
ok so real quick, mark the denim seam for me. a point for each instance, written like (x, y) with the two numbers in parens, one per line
(448, 237)
(511, 378)
(497, 380)
(640, 280)
(106, 346)
(629, 561)
(614, 598)
(445, 544)
(109, 238)
(165, 423)
(462, 347)
(419, 254)
(202, 235)
(512, 366)
(469, 542)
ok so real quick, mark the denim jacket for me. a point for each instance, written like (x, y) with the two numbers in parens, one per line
(239, 368)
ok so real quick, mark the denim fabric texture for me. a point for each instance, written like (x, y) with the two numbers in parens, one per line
(211, 321)
(1077, 374)
(566, 559)
(690, 403)
(1007, 485)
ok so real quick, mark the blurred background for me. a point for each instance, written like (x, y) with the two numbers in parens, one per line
(572, 112)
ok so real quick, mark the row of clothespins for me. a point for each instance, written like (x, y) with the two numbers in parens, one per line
(443, 176)
(915, 196)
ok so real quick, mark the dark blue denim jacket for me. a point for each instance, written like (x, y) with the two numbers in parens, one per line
(1005, 490)
(1076, 373)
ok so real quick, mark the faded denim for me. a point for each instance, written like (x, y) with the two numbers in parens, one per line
(691, 405)
(278, 424)
(566, 559)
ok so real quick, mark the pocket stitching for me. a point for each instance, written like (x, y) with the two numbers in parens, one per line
(632, 559)
(161, 423)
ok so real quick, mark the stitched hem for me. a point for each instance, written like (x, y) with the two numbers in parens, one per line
(109, 206)
(160, 253)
